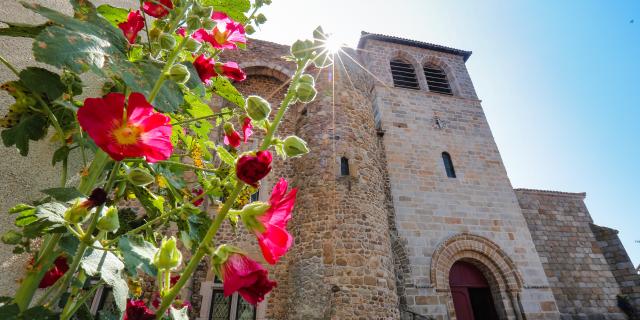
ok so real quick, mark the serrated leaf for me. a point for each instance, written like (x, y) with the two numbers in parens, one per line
(113, 14)
(199, 224)
(223, 87)
(182, 314)
(42, 81)
(31, 127)
(141, 77)
(225, 156)
(52, 212)
(138, 254)
(63, 194)
(21, 30)
(20, 208)
(110, 269)
(235, 9)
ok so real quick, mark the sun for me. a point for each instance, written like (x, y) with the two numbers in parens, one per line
(332, 44)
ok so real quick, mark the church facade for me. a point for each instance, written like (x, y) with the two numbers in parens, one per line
(405, 209)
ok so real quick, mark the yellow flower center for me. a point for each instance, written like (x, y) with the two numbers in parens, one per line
(126, 134)
(221, 36)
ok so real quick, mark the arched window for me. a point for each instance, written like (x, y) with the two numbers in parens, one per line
(404, 76)
(344, 166)
(448, 165)
(437, 80)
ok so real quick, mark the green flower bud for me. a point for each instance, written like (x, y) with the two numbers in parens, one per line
(140, 177)
(208, 24)
(155, 33)
(205, 12)
(307, 78)
(305, 92)
(167, 41)
(108, 220)
(11, 237)
(294, 146)
(302, 49)
(250, 214)
(258, 109)
(77, 213)
(248, 29)
(179, 73)
(193, 23)
(192, 45)
(261, 19)
(168, 257)
(160, 24)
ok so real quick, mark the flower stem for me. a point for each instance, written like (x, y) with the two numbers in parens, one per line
(203, 118)
(165, 69)
(142, 227)
(83, 299)
(29, 285)
(202, 250)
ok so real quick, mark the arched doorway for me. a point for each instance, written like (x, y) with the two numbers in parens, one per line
(471, 293)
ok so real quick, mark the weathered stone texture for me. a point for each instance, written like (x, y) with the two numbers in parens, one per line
(581, 278)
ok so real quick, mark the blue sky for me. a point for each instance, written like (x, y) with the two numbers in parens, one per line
(559, 82)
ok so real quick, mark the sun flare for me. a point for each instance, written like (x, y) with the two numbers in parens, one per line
(333, 44)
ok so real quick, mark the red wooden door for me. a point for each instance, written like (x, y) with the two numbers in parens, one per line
(462, 303)
(470, 293)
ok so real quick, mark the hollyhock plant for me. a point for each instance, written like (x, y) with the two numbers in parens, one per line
(142, 133)
(197, 202)
(60, 267)
(138, 310)
(247, 129)
(133, 25)
(245, 276)
(232, 71)
(273, 238)
(157, 8)
(207, 69)
(225, 35)
(252, 168)
(231, 136)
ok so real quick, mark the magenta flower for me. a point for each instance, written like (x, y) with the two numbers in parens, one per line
(252, 168)
(247, 129)
(274, 240)
(225, 35)
(232, 138)
(59, 268)
(133, 25)
(207, 68)
(232, 70)
(138, 310)
(143, 132)
(245, 276)
(157, 8)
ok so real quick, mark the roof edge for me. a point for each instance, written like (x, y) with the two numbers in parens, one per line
(554, 193)
(412, 43)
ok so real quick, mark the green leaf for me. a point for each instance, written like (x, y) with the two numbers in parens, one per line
(21, 30)
(113, 14)
(40, 313)
(138, 254)
(60, 154)
(42, 81)
(141, 77)
(225, 156)
(223, 87)
(182, 314)
(235, 9)
(198, 226)
(51, 211)
(69, 244)
(31, 127)
(63, 194)
(198, 109)
(111, 270)
(26, 217)
(20, 208)
(9, 312)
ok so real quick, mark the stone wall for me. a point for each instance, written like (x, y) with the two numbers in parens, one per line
(578, 272)
(429, 207)
(621, 266)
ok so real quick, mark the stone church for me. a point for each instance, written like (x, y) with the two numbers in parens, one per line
(405, 209)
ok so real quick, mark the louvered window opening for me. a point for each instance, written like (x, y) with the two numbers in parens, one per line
(404, 76)
(437, 80)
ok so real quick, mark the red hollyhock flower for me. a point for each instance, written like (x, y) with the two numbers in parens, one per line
(225, 35)
(181, 31)
(232, 138)
(157, 10)
(142, 133)
(252, 168)
(133, 25)
(274, 240)
(138, 310)
(245, 276)
(232, 70)
(206, 68)
(247, 129)
(197, 203)
(56, 272)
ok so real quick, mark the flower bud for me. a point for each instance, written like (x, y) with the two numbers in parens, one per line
(248, 29)
(11, 237)
(260, 19)
(140, 177)
(192, 45)
(294, 146)
(208, 24)
(168, 257)
(258, 109)
(307, 78)
(250, 214)
(302, 49)
(108, 220)
(179, 73)
(193, 23)
(77, 213)
(305, 92)
(167, 41)
(155, 33)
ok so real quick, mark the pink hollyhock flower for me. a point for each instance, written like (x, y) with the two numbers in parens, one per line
(225, 35)
(206, 68)
(133, 25)
(252, 168)
(274, 240)
(181, 31)
(59, 268)
(247, 129)
(245, 276)
(232, 138)
(157, 10)
(138, 310)
(142, 133)
(197, 203)
(232, 70)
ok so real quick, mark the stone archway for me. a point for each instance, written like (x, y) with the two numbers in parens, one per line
(490, 259)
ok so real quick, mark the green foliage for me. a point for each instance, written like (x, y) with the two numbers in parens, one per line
(225, 156)
(114, 15)
(137, 254)
(182, 314)
(223, 87)
(63, 194)
(235, 9)
(111, 270)
(43, 82)
(31, 127)
(21, 30)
